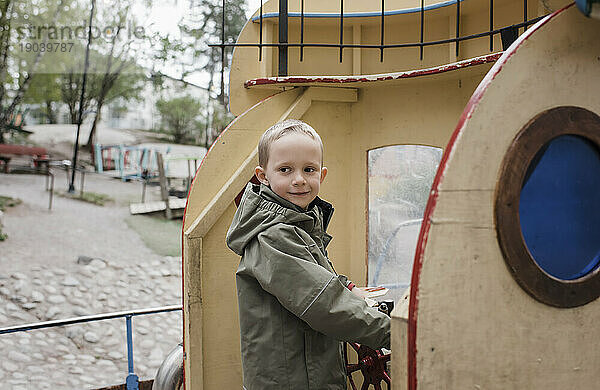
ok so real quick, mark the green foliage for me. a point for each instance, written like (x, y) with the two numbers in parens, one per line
(45, 91)
(89, 197)
(114, 73)
(7, 201)
(48, 76)
(18, 65)
(95, 198)
(160, 235)
(179, 117)
(203, 25)
(221, 118)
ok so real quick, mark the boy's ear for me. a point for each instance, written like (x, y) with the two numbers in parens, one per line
(323, 173)
(259, 172)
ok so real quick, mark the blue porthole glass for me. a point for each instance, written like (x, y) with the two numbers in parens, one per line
(559, 207)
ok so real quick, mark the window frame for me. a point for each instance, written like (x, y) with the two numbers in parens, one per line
(542, 129)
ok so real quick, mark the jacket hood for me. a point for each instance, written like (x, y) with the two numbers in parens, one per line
(261, 208)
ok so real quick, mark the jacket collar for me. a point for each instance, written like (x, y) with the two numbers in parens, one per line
(326, 209)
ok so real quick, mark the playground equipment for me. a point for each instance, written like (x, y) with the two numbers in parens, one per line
(493, 298)
(128, 161)
(481, 313)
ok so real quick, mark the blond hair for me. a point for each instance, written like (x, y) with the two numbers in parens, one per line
(280, 129)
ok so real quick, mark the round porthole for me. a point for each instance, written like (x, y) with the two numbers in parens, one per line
(548, 207)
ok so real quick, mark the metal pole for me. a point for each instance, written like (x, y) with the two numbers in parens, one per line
(283, 38)
(260, 34)
(491, 25)
(422, 27)
(341, 28)
(51, 190)
(382, 29)
(223, 57)
(132, 379)
(80, 119)
(525, 14)
(301, 30)
(457, 25)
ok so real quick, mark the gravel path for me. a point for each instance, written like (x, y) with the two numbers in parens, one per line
(74, 260)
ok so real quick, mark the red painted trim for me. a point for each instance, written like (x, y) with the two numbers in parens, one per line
(21, 150)
(188, 201)
(426, 225)
(283, 81)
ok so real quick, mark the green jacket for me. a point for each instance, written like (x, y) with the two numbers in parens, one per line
(294, 309)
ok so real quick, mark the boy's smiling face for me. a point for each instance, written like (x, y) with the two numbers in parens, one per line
(294, 169)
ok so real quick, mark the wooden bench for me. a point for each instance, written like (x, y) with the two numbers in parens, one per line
(39, 155)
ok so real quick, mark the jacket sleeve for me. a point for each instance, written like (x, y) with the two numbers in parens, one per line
(286, 268)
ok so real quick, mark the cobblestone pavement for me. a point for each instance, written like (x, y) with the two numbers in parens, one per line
(80, 259)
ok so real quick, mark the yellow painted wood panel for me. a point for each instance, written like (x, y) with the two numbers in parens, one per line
(333, 123)
(192, 312)
(220, 325)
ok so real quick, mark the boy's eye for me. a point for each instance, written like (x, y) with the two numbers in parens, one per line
(284, 169)
(309, 169)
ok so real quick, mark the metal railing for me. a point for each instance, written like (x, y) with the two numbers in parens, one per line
(508, 33)
(132, 379)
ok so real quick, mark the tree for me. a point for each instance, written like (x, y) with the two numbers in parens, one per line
(45, 91)
(70, 90)
(204, 26)
(218, 118)
(119, 60)
(15, 14)
(179, 116)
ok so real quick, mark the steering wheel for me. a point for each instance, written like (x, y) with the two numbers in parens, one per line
(372, 364)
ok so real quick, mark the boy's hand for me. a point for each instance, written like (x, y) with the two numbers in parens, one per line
(368, 293)
(359, 292)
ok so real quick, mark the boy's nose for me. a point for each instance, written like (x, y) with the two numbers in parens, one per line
(298, 179)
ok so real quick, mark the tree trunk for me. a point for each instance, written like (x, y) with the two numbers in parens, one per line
(73, 114)
(92, 137)
(50, 113)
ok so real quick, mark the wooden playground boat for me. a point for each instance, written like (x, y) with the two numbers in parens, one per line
(484, 311)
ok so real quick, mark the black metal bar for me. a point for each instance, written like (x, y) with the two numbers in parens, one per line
(457, 24)
(382, 29)
(525, 13)
(508, 36)
(391, 46)
(83, 82)
(301, 30)
(223, 57)
(491, 24)
(422, 23)
(260, 32)
(283, 37)
(51, 176)
(341, 28)
(91, 318)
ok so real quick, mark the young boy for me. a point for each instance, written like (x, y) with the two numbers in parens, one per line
(294, 309)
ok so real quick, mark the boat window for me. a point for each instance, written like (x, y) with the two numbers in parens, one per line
(399, 183)
(547, 213)
(559, 209)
